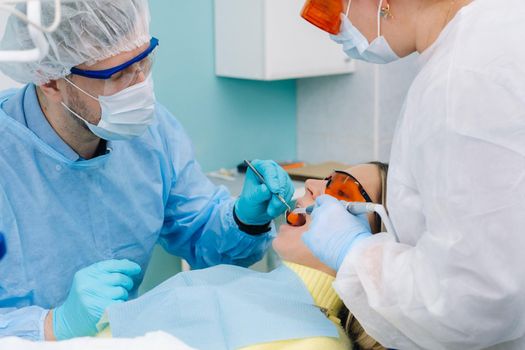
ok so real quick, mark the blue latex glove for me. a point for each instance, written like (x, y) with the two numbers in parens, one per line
(333, 231)
(94, 289)
(257, 205)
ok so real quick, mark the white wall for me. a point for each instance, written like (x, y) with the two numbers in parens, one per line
(351, 118)
(5, 82)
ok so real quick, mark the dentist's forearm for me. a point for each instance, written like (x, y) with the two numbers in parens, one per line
(48, 327)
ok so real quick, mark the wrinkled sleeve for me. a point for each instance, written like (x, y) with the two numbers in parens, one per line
(199, 224)
(462, 285)
(27, 323)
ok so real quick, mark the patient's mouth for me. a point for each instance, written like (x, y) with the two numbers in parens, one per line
(295, 219)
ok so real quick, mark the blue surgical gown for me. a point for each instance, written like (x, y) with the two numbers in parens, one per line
(60, 213)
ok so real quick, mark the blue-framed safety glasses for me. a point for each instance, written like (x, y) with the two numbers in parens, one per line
(122, 76)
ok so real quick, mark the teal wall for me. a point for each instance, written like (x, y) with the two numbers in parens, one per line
(227, 119)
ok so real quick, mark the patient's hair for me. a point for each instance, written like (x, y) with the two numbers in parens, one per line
(353, 329)
(383, 170)
(360, 339)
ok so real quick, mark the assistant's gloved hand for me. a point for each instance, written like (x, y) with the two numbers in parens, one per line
(94, 289)
(257, 205)
(333, 231)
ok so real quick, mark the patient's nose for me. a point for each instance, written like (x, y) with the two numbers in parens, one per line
(315, 188)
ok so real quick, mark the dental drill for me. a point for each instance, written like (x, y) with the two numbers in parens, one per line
(359, 208)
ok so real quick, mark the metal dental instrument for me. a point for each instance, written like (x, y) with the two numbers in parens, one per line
(261, 178)
(358, 208)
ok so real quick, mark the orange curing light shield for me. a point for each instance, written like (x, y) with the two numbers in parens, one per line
(324, 14)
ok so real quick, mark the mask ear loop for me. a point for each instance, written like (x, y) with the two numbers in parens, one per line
(379, 10)
(79, 88)
(74, 113)
(348, 8)
(83, 91)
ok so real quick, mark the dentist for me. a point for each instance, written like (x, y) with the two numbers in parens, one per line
(94, 172)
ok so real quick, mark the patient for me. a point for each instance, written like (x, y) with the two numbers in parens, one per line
(228, 307)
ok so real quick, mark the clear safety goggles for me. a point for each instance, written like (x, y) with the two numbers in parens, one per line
(340, 185)
(113, 80)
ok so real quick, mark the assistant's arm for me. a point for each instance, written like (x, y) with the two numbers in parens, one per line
(461, 285)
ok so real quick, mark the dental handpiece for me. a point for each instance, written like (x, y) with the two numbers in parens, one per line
(355, 208)
(359, 208)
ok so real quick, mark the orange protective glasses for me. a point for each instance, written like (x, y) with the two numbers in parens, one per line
(324, 14)
(341, 185)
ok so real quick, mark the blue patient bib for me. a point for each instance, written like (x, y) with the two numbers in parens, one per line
(225, 307)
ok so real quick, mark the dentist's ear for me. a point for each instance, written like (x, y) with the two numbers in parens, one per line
(51, 91)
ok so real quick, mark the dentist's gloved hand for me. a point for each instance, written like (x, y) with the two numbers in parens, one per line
(94, 289)
(257, 205)
(333, 231)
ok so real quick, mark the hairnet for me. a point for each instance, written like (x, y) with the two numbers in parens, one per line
(90, 31)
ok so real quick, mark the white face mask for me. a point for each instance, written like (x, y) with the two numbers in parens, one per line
(126, 114)
(356, 46)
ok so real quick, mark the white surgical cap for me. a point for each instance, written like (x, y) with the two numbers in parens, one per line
(90, 31)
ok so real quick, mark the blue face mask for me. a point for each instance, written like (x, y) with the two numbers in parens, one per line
(356, 46)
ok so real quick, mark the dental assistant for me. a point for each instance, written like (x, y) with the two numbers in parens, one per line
(94, 172)
(456, 186)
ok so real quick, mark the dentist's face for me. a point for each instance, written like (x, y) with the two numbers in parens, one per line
(363, 15)
(398, 29)
(83, 104)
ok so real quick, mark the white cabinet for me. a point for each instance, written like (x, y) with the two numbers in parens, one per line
(268, 40)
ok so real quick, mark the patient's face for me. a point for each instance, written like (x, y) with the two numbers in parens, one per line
(288, 243)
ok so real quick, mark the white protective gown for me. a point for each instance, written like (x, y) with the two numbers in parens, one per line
(456, 197)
